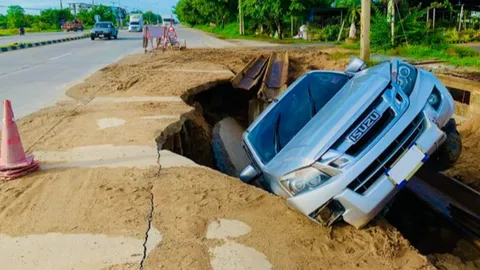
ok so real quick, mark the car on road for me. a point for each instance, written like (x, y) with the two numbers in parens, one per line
(340, 145)
(105, 30)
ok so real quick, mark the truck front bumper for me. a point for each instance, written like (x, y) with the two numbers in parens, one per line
(361, 207)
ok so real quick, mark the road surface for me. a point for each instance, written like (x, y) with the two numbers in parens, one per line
(36, 37)
(38, 77)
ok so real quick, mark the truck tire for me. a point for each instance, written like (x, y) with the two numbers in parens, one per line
(92, 37)
(115, 37)
(449, 152)
(109, 37)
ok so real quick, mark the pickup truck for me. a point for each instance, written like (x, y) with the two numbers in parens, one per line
(75, 25)
(340, 145)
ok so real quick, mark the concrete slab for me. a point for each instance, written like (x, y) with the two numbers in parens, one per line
(227, 147)
(72, 251)
(232, 255)
(110, 122)
(224, 228)
(235, 256)
(111, 156)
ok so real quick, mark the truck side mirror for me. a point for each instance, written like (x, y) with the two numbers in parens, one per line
(355, 66)
(248, 174)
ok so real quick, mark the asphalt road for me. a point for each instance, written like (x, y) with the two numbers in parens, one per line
(38, 77)
(35, 37)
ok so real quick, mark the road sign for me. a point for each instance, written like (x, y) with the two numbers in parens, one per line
(97, 18)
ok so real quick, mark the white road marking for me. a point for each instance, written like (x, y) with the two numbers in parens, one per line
(60, 56)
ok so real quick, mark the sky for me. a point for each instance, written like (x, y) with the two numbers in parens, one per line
(163, 7)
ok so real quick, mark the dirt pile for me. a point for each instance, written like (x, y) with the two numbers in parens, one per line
(144, 99)
(467, 168)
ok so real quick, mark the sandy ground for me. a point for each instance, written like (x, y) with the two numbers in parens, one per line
(205, 220)
(467, 168)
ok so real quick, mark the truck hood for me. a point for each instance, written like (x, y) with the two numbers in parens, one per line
(332, 121)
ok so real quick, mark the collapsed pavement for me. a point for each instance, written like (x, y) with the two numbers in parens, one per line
(93, 187)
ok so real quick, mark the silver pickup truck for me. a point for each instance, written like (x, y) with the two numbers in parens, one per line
(341, 144)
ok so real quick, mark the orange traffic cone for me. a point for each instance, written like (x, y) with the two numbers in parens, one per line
(13, 161)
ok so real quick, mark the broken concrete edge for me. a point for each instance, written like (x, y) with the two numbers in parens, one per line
(41, 43)
(224, 163)
(187, 97)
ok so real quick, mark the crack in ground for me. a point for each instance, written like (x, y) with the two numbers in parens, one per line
(150, 216)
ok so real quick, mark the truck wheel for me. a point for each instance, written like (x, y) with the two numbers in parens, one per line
(109, 37)
(450, 150)
(92, 38)
(115, 37)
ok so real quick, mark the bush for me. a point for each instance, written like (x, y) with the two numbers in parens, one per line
(409, 30)
(469, 35)
(323, 33)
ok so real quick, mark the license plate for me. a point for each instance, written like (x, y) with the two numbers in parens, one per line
(407, 166)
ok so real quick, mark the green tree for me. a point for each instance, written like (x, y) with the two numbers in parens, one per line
(151, 17)
(15, 16)
(187, 12)
(3, 21)
(353, 14)
(53, 17)
(105, 13)
(86, 17)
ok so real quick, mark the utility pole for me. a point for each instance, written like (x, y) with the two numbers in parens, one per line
(460, 18)
(391, 11)
(61, 5)
(291, 26)
(365, 31)
(240, 17)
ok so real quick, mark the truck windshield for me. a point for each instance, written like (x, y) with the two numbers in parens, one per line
(134, 23)
(101, 25)
(293, 112)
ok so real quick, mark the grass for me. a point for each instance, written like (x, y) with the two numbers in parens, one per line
(449, 53)
(13, 32)
(230, 31)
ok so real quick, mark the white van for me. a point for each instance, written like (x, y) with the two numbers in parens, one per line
(167, 20)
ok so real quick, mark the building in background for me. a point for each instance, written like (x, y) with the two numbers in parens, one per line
(77, 7)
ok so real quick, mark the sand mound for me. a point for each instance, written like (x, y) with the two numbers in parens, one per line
(467, 168)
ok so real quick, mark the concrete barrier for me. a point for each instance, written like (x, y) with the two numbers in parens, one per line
(41, 43)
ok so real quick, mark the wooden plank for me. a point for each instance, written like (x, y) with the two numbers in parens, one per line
(275, 78)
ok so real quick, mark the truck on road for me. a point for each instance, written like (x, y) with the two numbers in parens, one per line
(167, 20)
(136, 23)
(75, 25)
(340, 145)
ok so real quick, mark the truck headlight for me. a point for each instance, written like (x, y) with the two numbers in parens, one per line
(406, 77)
(304, 179)
(434, 98)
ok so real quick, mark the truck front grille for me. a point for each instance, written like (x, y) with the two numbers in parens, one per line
(385, 160)
(372, 133)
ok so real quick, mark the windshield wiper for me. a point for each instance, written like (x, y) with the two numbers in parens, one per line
(312, 102)
(276, 137)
